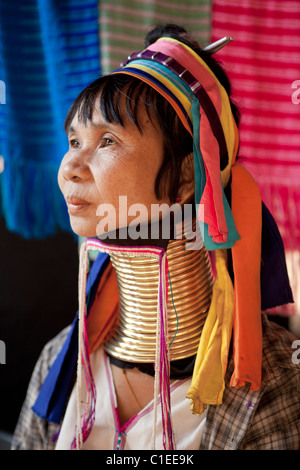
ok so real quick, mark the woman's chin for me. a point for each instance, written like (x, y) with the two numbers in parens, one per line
(82, 229)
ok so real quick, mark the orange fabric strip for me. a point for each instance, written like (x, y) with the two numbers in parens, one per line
(104, 312)
(246, 208)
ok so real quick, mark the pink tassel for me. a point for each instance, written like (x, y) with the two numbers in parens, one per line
(85, 419)
(164, 360)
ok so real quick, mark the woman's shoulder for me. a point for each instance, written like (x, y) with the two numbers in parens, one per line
(281, 348)
(33, 432)
(276, 421)
(52, 348)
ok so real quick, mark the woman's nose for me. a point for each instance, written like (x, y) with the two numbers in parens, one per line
(75, 168)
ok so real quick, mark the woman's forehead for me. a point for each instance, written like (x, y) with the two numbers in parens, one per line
(121, 99)
(99, 122)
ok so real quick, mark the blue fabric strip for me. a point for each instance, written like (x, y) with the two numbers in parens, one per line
(275, 285)
(53, 394)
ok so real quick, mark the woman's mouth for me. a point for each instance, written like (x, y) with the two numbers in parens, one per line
(76, 204)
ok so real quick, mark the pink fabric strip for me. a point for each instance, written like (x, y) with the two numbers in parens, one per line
(189, 62)
(125, 249)
(212, 197)
(163, 360)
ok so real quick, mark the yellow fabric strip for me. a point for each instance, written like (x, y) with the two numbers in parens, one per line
(211, 362)
(166, 81)
(225, 115)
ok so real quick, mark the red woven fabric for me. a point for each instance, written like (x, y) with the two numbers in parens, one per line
(263, 64)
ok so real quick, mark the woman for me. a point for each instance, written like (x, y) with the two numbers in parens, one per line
(173, 350)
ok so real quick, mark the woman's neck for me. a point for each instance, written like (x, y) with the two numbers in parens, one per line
(189, 296)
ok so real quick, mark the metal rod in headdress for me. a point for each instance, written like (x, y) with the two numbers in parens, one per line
(216, 46)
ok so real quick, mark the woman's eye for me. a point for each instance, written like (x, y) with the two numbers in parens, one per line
(106, 142)
(74, 143)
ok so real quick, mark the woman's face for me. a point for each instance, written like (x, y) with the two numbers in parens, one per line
(106, 161)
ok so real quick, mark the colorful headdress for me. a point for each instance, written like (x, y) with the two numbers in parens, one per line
(201, 102)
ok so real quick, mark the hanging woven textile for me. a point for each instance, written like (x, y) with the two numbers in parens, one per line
(49, 51)
(263, 64)
(124, 24)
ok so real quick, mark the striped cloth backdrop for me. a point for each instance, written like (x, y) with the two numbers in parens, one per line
(49, 51)
(263, 63)
(124, 23)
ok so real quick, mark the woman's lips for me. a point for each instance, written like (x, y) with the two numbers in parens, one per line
(76, 204)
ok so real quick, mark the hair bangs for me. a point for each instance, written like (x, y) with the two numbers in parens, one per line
(118, 97)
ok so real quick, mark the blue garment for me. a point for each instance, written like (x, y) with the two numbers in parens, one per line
(49, 52)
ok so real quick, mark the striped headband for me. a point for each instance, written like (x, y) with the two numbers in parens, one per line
(202, 104)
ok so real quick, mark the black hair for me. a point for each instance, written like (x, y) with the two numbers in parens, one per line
(177, 141)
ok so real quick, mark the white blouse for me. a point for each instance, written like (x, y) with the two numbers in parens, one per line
(136, 434)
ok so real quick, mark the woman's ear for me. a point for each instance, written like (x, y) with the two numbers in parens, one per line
(186, 187)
